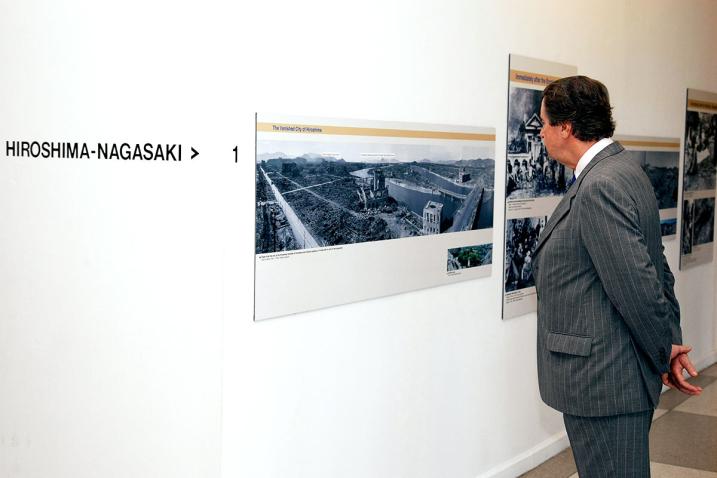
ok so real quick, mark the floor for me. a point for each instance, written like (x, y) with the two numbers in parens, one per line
(683, 438)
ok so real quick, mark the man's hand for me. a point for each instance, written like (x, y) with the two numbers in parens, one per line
(679, 361)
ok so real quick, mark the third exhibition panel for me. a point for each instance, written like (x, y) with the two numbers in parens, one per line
(660, 159)
(698, 186)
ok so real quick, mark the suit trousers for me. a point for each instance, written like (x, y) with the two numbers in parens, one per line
(615, 446)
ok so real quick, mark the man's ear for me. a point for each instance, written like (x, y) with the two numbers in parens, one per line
(566, 129)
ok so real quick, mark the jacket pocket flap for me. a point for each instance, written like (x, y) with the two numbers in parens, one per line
(569, 344)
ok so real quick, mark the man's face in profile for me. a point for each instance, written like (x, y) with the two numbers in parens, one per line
(549, 134)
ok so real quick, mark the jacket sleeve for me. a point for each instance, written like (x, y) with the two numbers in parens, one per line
(668, 289)
(609, 230)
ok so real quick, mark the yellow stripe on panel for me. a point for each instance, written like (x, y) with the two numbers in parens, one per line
(537, 79)
(649, 144)
(355, 131)
(706, 105)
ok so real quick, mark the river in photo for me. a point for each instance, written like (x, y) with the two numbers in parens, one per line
(415, 199)
(485, 218)
(442, 182)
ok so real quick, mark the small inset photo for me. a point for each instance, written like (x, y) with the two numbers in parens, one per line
(469, 256)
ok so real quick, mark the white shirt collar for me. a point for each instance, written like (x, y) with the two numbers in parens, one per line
(591, 153)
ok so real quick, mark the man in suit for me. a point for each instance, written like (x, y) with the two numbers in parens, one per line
(608, 320)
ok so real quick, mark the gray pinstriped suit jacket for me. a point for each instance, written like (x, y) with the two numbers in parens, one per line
(607, 311)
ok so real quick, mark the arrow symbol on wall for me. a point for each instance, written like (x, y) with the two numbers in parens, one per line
(194, 153)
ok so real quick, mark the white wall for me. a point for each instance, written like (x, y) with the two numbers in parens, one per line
(127, 346)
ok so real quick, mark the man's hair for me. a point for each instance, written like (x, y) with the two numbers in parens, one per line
(583, 103)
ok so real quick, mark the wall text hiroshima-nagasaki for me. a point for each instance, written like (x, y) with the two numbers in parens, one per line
(79, 150)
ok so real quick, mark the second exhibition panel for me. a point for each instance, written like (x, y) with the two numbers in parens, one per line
(535, 183)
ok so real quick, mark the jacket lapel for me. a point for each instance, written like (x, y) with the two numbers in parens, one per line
(564, 205)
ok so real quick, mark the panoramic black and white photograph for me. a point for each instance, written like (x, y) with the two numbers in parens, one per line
(687, 227)
(521, 241)
(700, 160)
(703, 220)
(668, 226)
(530, 172)
(317, 194)
(663, 169)
(470, 256)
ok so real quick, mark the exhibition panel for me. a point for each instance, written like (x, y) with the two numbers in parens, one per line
(698, 185)
(660, 159)
(534, 181)
(348, 210)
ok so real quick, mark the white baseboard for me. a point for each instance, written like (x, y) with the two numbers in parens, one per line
(707, 361)
(529, 459)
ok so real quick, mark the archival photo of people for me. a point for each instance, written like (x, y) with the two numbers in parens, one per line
(468, 257)
(349, 210)
(521, 241)
(700, 160)
(697, 230)
(531, 173)
(687, 227)
(704, 225)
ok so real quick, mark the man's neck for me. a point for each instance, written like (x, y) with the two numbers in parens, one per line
(576, 150)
